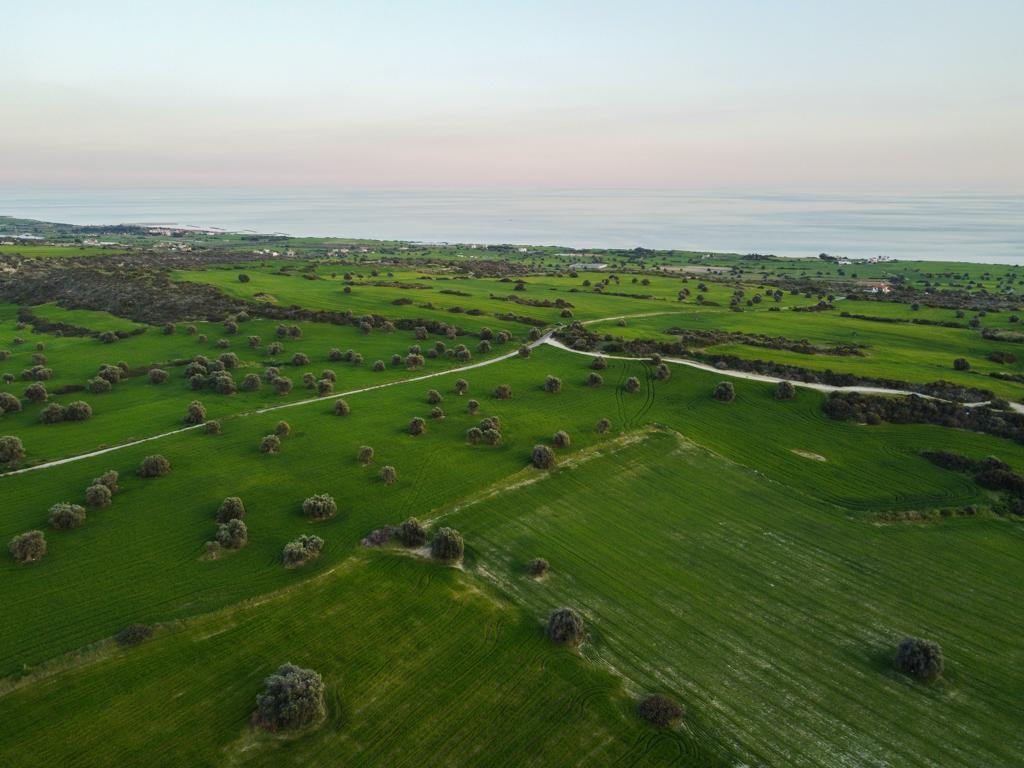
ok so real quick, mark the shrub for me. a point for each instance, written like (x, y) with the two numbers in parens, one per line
(292, 698)
(660, 709)
(324, 387)
(270, 444)
(341, 408)
(599, 364)
(474, 435)
(98, 386)
(196, 413)
(302, 550)
(662, 372)
(234, 534)
(97, 496)
(461, 386)
(134, 634)
(447, 545)
(282, 385)
(388, 475)
(36, 393)
(543, 457)
(724, 392)
(594, 379)
(503, 392)
(632, 384)
(109, 479)
(436, 412)
(108, 337)
(9, 403)
(300, 359)
(524, 351)
(28, 547)
(11, 449)
(52, 414)
(961, 364)
(784, 390)
(378, 365)
(602, 426)
(154, 466)
(537, 567)
(365, 454)
(472, 406)
(231, 508)
(561, 439)
(919, 658)
(157, 376)
(319, 506)
(78, 410)
(255, 341)
(251, 382)
(434, 397)
(552, 384)
(275, 348)
(565, 627)
(64, 515)
(412, 533)
(282, 429)
(417, 426)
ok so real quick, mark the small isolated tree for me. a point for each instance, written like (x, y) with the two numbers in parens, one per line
(594, 379)
(784, 390)
(524, 351)
(434, 397)
(231, 508)
(28, 547)
(109, 479)
(234, 534)
(334, 355)
(561, 439)
(474, 435)
(341, 408)
(98, 386)
(98, 496)
(543, 457)
(724, 392)
(961, 364)
(154, 466)
(11, 449)
(79, 410)
(300, 359)
(53, 413)
(213, 427)
(282, 385)
(292, 699)
(919, 658)
(461, 386)
(9, 403)
(388, 475)
(64, 515)
(599, 364)
(134, 634)
(196, 413)
(365, 454)
(158, 376)
(662, 372)
(319, 506)
(602, 426)
(552, 384)
(503, 392)
(660, 709)
(417, 426)
(632, 384)
(447, 545)
(472, 407)
(378, 365)
(538, 567)
(324, 387)
(302, 550)
(251, 382)
(282, 429)
(437, 412)
(36, 393)
(565, 627)
(412, 533)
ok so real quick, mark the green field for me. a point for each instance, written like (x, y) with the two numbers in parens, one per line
(754, 559)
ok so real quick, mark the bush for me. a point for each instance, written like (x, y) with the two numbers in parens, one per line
(157, 376)
(134, 634)
(52, 414)
(365, 454)
(491, 436)
(154, 466)
(282, 385)
(632, 384)
(660, 710)
(234, 534)
(561, 439)
(292, 698)
(447, 545)
(724, 392)
(565, 627)
(378, 365)
(388, 474)
(602, 426)
(543, 457)
(594, 379)
(196, 413)
(599, 364)
(919, 658)
(319, 506)
(231, 508)
(324, 387)
(412, 533)
(524, 351)
(537, 567)
(302, 550)
(9, 403)
(98, 386)
(300, 359)
(436, 412)
(36, 393)
(109, 479)
(341, 408)
(472, 406)
(282, 429)
(64, 515)
(474, 435)
(503, 392)
(552, 384)
(784, 390)
(434, 397)
(28, 547)
(97, 496)
(79, 410)
(213, 427)
(461, 386)
(270, 444)
(417, 426)
(11, 449)
(961, 364)
(662, 372)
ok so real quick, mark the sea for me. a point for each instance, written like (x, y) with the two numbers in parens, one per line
(985, 227)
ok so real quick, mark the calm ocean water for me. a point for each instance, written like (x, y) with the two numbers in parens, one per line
(951, 226)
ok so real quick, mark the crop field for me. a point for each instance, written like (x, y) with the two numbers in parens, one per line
(756, 558)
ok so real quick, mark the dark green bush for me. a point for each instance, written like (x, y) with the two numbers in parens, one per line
(234, 534)
(319, 506)
(537, 567)
(919, 658)
(724, 392)
(565, 627)
(417, 426)
(28, 547)
(447, 545)
(543, 457)
(660, 709)
(134, 634)
(154, 466)
(231, 508)
(64, 515)
(412, 533)
(302, 550)
(196, 413)
(388, 475)
(292, 699)
(97, 496)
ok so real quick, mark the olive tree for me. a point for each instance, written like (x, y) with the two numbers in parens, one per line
(292, 699)
(64, 515)
(552, 384)
(36, 393)
(919, 658)
(632, 384)
(97, 496)
(599, 364)
(472, 406)
(154, 466)
(461, 386)
(195, 414)
(565, 627)
(388, 475)
(11, 449)
(28, 547)
(319, 506)
(341, 408)
(109, 479)
(231, 508)
(9, 403)
(602, 426)
(447, 545)
(158, 376)
(282, 429)
(270, 444)
(434, 397)
(282, 385)
(724, 392)
(79, 410)
(660, 710)
(365, 454)
(594, 379)
(561, 439)
(784, 390)
(412, 533)
(234, 534)
(301, 550)
(538, 567)
(543, 457)
(503, 392)
(417, 426)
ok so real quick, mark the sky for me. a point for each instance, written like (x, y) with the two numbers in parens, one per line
(647, 93)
